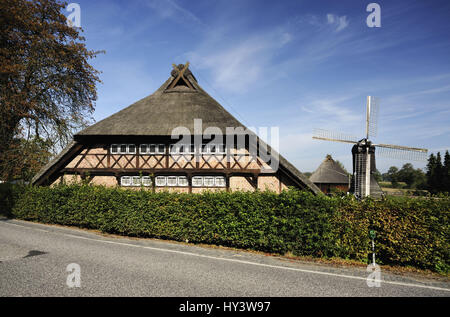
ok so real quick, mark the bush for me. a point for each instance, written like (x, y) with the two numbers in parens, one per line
(410, 231)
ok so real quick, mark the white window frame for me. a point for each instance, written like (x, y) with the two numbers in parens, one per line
(158, 151)
(208, 178)
(128, 149)
(127, 183)
(172, 178)
(139, 181)
(174, 149)
(120, 149)
(219, 181)
(221, 149)
(183, 181)
(195, 178)
(158, 179)
(117, 150)
(144, 152)
(146, 181)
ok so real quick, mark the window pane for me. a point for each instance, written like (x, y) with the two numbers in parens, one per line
(152, 148)
(205, 148)
(125, 180)
(212, 148)
(136, 181)
(123, 149)
(173, 149)
(114, 149)
(161, 148)
(172, 181)
(143, 149)
(209, 181)
(160, 181)
(131, 148)
(182, 181)
(220, 181)
(192, 146)
(146, 181)
(197, 181)
(221, 148)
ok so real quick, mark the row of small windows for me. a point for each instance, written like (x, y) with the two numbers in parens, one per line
(161, 149)
(174, 181)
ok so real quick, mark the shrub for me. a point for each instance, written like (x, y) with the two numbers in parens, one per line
(410, 231)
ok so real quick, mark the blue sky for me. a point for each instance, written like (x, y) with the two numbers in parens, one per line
(298, 65)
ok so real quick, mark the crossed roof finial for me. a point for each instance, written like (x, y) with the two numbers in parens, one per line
(178, 72)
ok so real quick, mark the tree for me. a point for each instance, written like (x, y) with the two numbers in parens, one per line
(377, 175)
(392, 176)
(26, 157)
(446, 172)
(439, 174)
(47, 87)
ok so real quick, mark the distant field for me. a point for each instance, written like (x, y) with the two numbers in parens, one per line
(387, 188)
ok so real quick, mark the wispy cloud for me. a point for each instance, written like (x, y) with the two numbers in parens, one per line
(239, 65)
(339, 22)
(169, 9)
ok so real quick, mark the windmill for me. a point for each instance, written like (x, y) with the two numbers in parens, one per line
(363, 152)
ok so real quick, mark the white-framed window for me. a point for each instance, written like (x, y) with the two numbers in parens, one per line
(160, 149)
(125, 181)
(152, 149)
(221, 149)
(131, 148)
(136, 181)
(182, 181)
(114, 149)
(197, 181)
(208, 181)
(219, 181)
(146, 181)
(174, 149)
(172, 181)
(123, 149)
(160, 181)
(213, 148)
(144, 149)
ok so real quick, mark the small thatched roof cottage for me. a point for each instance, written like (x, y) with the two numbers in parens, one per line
(330, 175)
(135, 147)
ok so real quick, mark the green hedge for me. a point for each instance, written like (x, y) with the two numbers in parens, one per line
(413, 232)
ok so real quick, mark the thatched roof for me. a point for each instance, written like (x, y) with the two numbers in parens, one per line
(329, 172)
(176, 103)
(165, 109)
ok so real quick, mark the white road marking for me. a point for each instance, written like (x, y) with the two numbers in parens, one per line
(239, 261)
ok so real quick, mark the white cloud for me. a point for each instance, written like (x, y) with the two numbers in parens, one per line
(234, 68)
(339, 22)
(169, 9)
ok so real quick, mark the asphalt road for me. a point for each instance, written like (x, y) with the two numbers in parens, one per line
(34, 259)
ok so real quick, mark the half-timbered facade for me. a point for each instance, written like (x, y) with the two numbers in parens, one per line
(136, 147)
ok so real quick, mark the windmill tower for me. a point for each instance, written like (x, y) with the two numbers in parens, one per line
(363, 152)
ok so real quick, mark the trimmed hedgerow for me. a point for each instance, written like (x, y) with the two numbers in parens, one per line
(413, 232)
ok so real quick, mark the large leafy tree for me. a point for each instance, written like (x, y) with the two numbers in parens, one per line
(47, 86)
